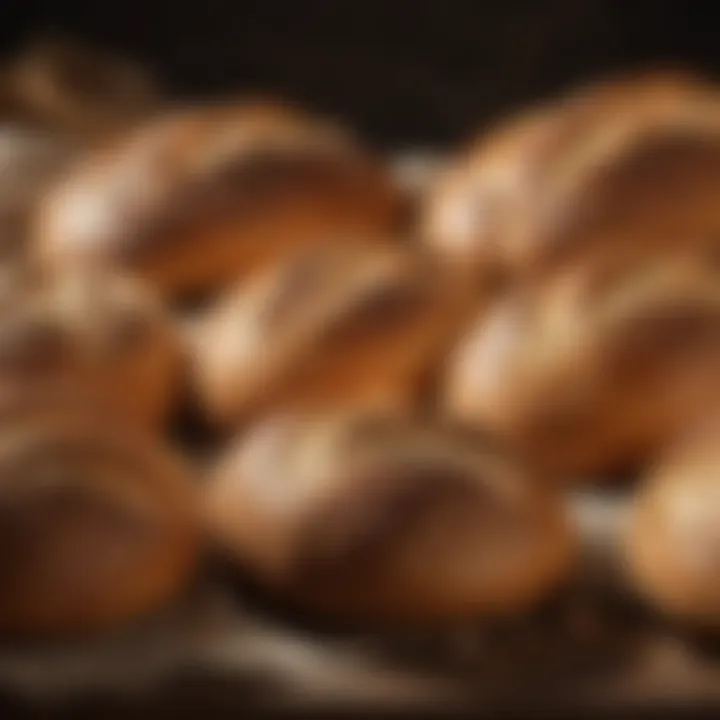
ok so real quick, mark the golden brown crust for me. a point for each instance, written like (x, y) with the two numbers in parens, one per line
(97, 525)
(629, 161)
(599, 367)
(337, 325)
(201, 197)
(380, 519)
(470, 210)
(672, 545)
(30, 161)
(65, 86)
(99, 334)
(647, 182)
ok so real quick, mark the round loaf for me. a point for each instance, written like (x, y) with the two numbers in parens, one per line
(673, 543)
(200, 198)
(599, 368)
(100, 334)
(374, 519)
(337, 325)
(69, 87)
(629, 163)
(97, 526)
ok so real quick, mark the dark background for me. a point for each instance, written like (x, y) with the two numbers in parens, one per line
(401, 71)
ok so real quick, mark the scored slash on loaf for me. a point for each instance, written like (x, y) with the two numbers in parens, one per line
(237, 342)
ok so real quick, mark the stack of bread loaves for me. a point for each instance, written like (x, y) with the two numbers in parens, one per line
(398, 387)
